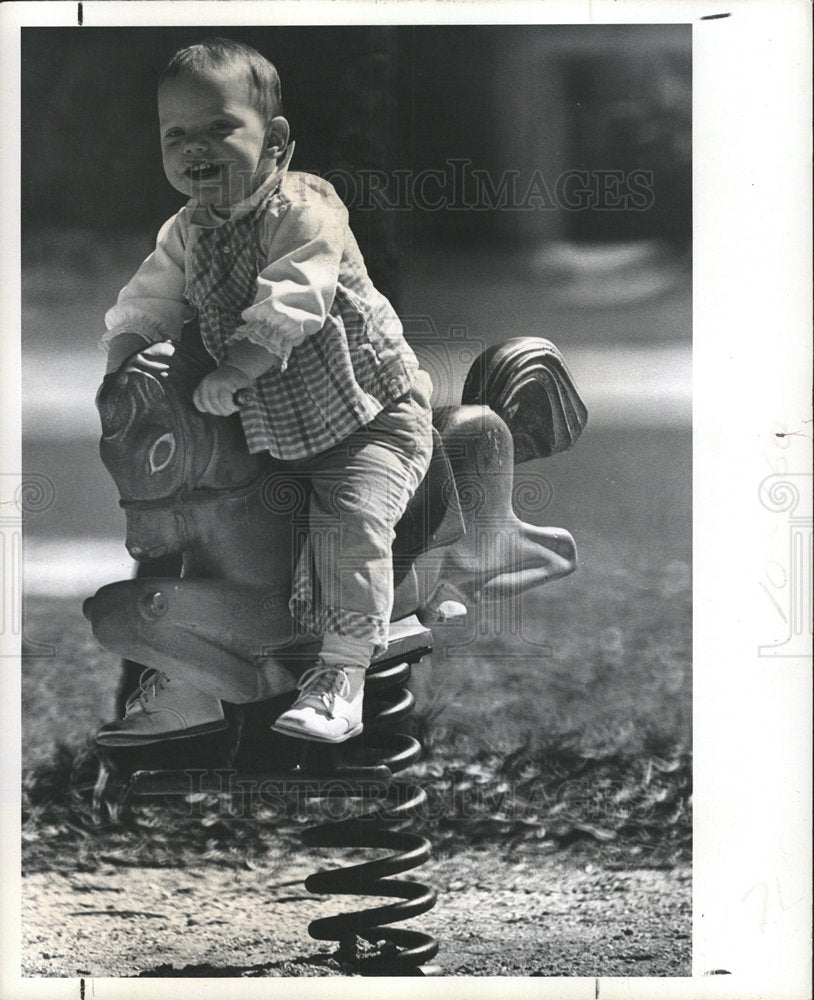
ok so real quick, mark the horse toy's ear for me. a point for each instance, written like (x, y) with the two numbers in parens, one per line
(116, 407)
(182, 367)
(151, 377)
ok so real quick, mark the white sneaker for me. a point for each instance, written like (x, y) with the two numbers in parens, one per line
(323, 711)
(162, 709)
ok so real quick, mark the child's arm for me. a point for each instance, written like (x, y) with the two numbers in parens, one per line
(151, 307)
(296, 289)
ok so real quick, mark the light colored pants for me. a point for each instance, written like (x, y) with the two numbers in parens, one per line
(343, 583)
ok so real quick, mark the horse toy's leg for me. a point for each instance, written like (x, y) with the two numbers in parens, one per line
(499, 556)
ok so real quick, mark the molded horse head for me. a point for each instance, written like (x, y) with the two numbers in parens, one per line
(165, 456)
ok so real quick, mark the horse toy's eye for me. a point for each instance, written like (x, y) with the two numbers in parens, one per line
(162, 452)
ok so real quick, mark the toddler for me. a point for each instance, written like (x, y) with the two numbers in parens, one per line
(266, 260)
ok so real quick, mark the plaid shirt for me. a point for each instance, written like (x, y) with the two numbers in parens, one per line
(283, 271)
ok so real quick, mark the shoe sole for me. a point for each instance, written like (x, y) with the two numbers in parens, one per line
(122, 740)
(300, 734)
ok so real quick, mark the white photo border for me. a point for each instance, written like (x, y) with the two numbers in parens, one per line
(751, 476)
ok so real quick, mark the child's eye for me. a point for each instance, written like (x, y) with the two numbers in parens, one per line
(223, 127)
(173, 133)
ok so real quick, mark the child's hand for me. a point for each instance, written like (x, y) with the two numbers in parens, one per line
(152, 358)
(122, 348)
(215, 393)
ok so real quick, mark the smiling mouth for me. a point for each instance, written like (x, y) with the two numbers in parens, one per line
(202, 171)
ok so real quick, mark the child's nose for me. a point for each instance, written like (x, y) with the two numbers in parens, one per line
(196, 144)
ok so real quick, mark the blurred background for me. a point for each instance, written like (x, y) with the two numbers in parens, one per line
(502, 181)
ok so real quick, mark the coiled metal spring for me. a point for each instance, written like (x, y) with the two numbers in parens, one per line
(400, 951)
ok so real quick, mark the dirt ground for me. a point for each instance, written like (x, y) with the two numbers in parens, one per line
(542, 914)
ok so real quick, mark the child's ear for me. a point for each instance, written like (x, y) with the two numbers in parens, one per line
(277, 135)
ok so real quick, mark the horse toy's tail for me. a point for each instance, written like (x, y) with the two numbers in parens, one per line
(519, 403)
(528, 385)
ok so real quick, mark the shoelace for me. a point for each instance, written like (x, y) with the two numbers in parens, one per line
(325, 682)
(149, 684)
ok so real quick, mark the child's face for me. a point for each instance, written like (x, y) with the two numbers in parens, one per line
(212, 140)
